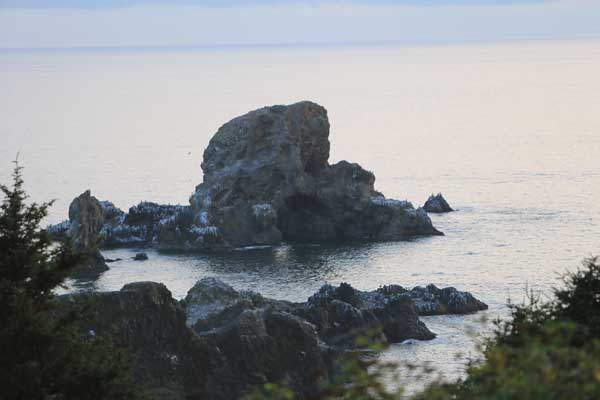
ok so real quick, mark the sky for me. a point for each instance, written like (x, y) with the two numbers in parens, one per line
(158, 23)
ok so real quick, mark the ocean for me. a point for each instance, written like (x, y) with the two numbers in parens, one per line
(508, 132)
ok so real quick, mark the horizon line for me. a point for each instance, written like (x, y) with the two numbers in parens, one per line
(299, 45)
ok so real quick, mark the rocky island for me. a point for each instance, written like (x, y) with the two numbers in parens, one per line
(267, 179)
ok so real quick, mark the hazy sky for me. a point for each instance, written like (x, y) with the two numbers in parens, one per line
(83, 23)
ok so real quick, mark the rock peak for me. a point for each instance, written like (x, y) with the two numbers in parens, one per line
(267, 177)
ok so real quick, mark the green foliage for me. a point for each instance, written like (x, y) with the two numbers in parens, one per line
(544, 351)
(42, 353)
(579, 300)
(362, 376)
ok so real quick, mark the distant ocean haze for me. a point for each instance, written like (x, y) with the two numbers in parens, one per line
(88, 23)
(509, 132)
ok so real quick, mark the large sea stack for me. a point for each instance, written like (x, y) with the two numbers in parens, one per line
(267, 178)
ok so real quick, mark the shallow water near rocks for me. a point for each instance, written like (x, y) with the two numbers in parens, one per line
(510, 133)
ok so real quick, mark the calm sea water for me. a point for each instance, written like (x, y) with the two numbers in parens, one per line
(510, 133)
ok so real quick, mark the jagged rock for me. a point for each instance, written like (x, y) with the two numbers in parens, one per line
(90, 265)
(168, 358)
(86, 218)
(432, 300)
(220, 343)
(260, 338)
(267, 178)
(437, 204)
(59, 231)
(143, 224)
(362, 312)
(209, 297)
(340, 314)
(140, 257)
(262, 345)
(340, 324)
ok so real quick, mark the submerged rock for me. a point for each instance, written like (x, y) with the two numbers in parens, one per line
(140, 257)
(437, 204)
(267, 178)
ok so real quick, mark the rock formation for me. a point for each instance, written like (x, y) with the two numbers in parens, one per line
(339, 314)
(86, 218)
(431, 300)
(219, 343)
(140, 257)
(168, 358)
(259, 338)
(437, 204)
(266, 179)
(177, 362)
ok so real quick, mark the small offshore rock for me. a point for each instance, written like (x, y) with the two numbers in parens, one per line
(141, 257)
(90, 266)
(437, 204)
(431, 300)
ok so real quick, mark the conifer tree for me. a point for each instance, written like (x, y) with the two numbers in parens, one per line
(43, 355)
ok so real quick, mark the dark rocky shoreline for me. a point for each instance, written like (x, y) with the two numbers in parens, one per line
(220, 343)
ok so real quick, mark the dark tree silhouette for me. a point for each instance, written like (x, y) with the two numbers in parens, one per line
(43, 355)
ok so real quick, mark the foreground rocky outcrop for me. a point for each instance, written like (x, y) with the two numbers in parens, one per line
(259, 338)
(219, 343)
(339, 314)
(267, 178)
(143, 318)
(177, 362)
(437, 204)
